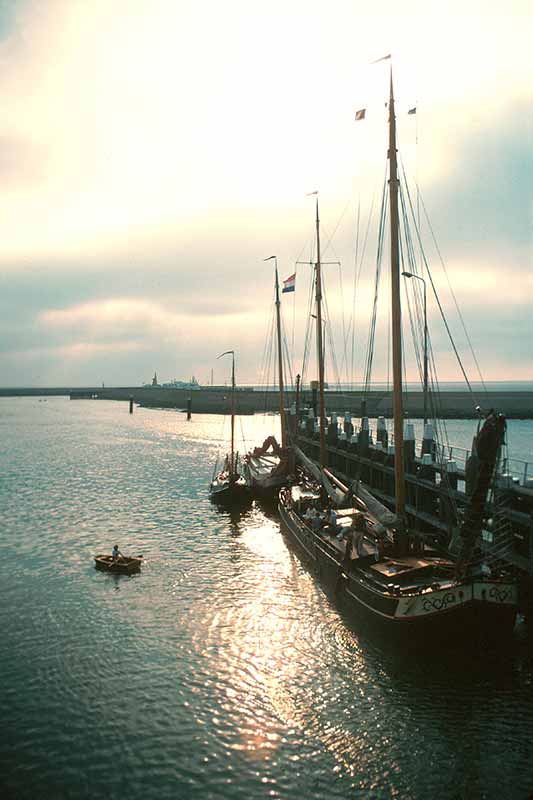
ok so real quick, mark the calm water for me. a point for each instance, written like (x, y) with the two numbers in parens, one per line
(221, 671)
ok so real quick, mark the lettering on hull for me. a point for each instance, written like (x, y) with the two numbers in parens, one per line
(499, 593)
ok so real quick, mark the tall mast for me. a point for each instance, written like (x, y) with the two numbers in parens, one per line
(320, 344)
(232, 408)
(399, 478)
(280, 363)
(232, 354)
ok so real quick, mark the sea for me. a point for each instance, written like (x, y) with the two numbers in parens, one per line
(222, 670)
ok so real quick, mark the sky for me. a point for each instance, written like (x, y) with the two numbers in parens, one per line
(154, 152)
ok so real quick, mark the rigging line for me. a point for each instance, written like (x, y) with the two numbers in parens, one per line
(381, 235)
(434, 395)
(343, 318)
(308, 242)
(329, 242)
(441, 310)
(441, 430)
(352, 319)
(293, 327)
(309, 326)
(329, 330)
(286, 358)
(363, 251)
(454, 298)
(389, 355)
(308, 330)
(268, 338)
(379, 259)
(412, 324)
(404, 357)
(269, 369)
(358, 265)
(413, 312)
(285, 353)
(284, 347)
(358, 268)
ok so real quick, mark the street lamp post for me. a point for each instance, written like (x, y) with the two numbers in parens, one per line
(419, 278)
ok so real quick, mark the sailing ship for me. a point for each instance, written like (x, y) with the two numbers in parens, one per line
(367, 555)
(227, 484)
(266, 468)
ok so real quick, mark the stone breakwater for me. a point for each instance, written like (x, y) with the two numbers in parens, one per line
(452, 405)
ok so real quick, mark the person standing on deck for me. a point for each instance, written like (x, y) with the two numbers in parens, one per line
(359, 526)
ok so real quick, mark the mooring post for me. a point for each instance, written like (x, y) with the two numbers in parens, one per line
(377, 454)
(292, 422)
(381, 432)
(314, 396)
(428, 442)
(310, 422)
(426, 499)
(348, 427)
(388, 477)
(333, 428)
(189, 407)
(448, 485)
(131, 404)
(364, 436)
(409, 446)
(409, 459)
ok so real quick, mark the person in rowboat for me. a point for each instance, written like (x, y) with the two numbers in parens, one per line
(116, 554)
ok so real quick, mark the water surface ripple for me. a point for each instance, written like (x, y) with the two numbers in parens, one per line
(222, 670)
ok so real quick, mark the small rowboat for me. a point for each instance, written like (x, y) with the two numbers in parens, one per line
(124, 564)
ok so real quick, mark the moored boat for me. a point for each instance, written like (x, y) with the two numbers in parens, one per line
(125, 565)
(419, 593)
(374, 560)
(266, 472)
(267, 468)
(227, 486)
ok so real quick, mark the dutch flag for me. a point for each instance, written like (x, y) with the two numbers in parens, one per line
(288, 285)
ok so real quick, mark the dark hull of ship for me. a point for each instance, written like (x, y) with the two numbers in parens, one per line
(265, 490)
(441, 618)
(229, 494)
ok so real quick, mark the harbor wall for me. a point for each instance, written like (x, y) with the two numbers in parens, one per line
(215, 400)
(454, 404)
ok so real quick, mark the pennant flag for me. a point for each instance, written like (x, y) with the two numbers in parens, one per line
(412, 110)
(288, 285)
(384, 58)
(360, 114)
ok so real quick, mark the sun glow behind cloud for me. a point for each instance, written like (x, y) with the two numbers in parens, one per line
(183, 136)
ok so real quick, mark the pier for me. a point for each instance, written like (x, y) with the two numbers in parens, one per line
(215, 400)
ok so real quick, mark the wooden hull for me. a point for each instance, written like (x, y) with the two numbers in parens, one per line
(261, 478)
(125, 566)
(230, 493)
(469, 610)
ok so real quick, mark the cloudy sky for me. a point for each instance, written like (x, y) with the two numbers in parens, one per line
(154, 152)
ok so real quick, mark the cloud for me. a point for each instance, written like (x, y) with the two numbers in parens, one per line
(149, 162)
(485, 206)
